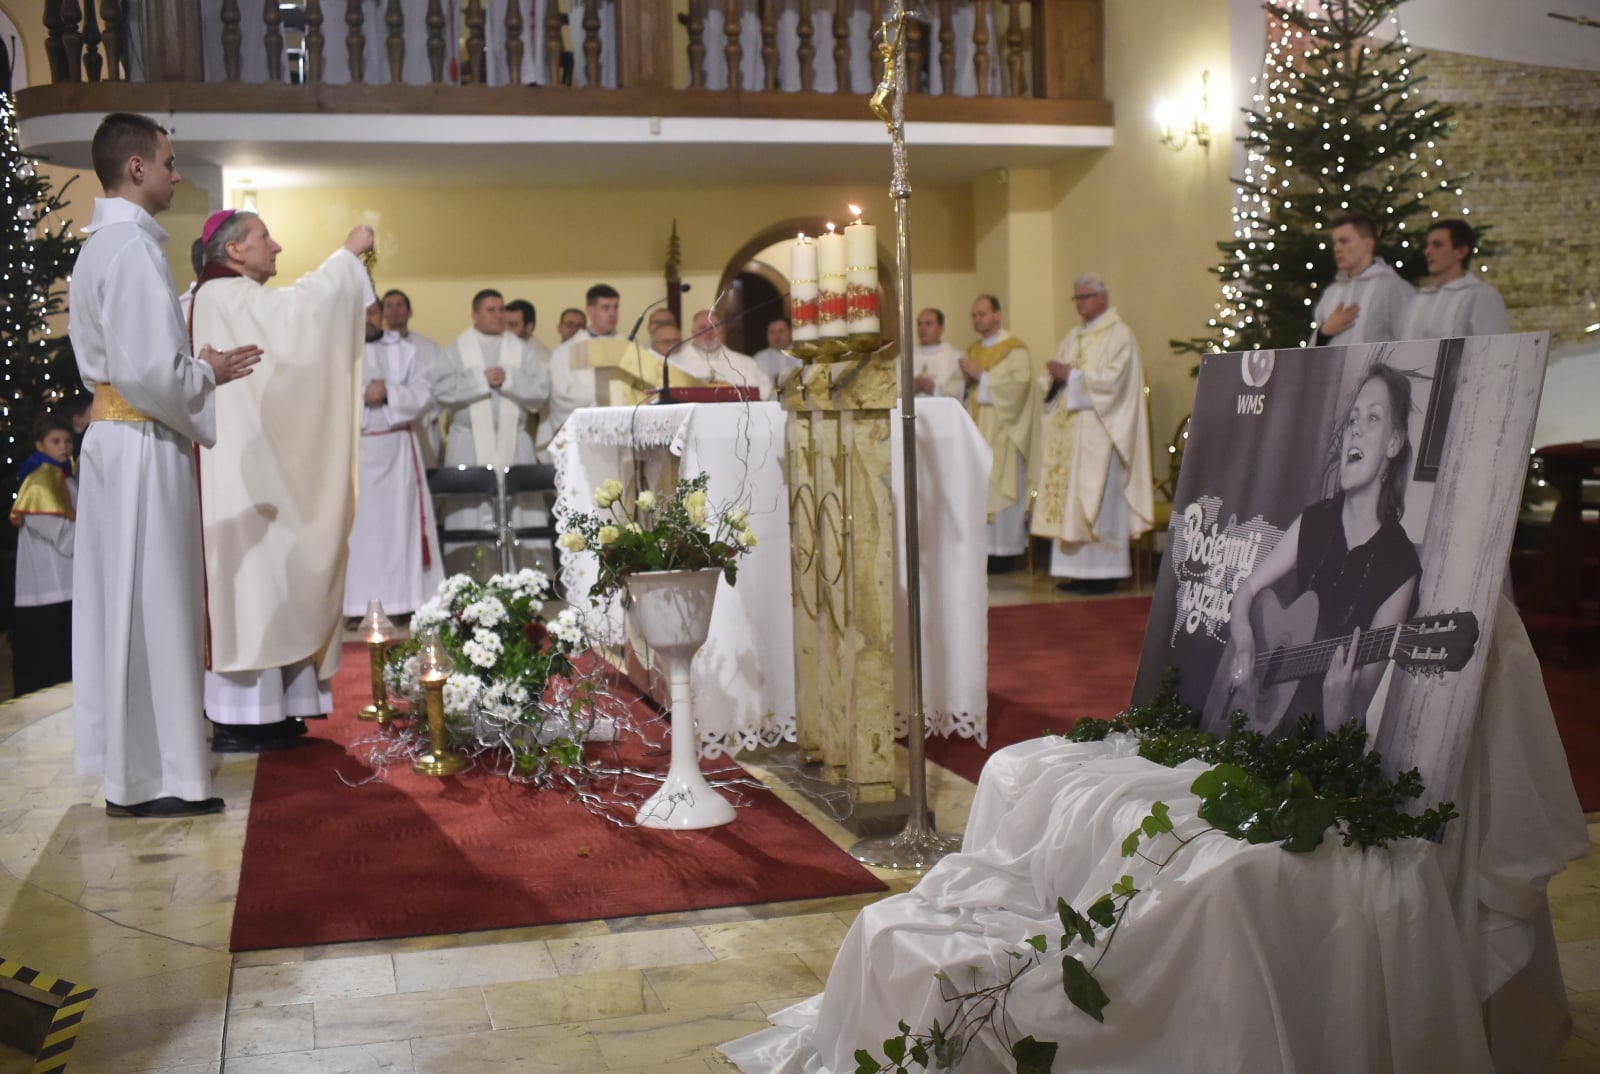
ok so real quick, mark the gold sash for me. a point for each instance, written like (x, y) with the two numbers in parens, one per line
(109, 405)
(43, 492)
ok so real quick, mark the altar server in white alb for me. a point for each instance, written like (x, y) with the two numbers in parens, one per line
(1095, 489)
(489, 382)
(397, 319)
(137, 604)
(394, 554)
(1367, 299)
(708, 359)
(278, 491)
(1455, 302)
(938, 364)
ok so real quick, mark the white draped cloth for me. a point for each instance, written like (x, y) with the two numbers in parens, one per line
(743, 680)
(1234, 957)
(394, 554)
(1466, 306)
(137, 637)
(1382, 297)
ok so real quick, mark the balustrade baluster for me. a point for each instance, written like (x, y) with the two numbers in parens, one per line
(477, 61)
(272, 16)
(1014, 42)
(436, 40)
(91, 43)
(732, 51)
(230, 40)
(591, 43)
(314, 40)
(54, 51)
(553, 21)
(947, 49)
(395, 19)
(695, 24)
(769, 45)
(355, 40)
(916, 42)
(874, 22)
(980, 44)
(115, 26)
(808, 74)
(72, 39)
(841, 46)
(514, 43)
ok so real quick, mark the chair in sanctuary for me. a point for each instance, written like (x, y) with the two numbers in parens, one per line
(463, 482)
(529, 479)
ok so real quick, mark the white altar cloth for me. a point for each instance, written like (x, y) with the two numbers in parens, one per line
(743, 679)
(1236, 957)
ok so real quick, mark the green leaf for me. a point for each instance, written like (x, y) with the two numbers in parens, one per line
(1034, 1056)
(866, 1063)
(1124, 887)
(1074, 922)
(1038, 943)
(919, 1054)
(1161, 815)
(1130, 845)
(1083, 991)
(1104, 912)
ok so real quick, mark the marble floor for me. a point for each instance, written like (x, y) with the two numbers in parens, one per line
(142, 909)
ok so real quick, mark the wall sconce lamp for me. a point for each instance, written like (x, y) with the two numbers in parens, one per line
(1178, 123)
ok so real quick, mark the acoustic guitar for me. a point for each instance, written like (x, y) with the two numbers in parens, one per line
(1287, 650)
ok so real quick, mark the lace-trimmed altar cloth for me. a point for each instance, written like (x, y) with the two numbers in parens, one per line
(744, 677)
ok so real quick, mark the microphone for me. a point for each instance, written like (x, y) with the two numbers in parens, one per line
(682, 288)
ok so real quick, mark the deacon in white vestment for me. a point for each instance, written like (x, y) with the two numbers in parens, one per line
(279, 488)
(1095, 489)
(773, 359)
(1002, 395)
(1367, 299)
(397, 319)
(489, 382)
(137, 600)
(707, 359)
(1456, 303)
(394, 552)
(574, 388)
(937, 363)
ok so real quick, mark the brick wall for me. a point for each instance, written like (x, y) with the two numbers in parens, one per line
(1530, 136)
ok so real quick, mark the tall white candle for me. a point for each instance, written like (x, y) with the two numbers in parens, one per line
(803, 289)
(832, 278)
(861, 257)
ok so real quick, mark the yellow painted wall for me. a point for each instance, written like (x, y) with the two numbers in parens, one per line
(1145, 217)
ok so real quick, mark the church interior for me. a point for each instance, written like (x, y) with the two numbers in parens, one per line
(1072, 164)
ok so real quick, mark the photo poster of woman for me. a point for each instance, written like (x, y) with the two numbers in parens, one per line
(1339, 538)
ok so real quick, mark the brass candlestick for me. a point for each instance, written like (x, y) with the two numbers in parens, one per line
(378, 634)
(433, 668)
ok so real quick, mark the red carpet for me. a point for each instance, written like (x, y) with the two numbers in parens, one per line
(1050, 664)
(326, 862)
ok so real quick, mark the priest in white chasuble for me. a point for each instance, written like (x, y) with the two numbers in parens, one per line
(1002, 395)
(489, 382)
(707, 359)
(572, 385)
(937, 363)
(1095, 488)
(278, 490)
(394, 551)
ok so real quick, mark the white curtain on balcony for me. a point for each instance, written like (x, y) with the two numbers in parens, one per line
(862, 45)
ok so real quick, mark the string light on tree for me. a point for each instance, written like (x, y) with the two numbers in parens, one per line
(1323, 59)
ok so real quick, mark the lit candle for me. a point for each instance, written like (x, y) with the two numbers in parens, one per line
(832, 280)
(803, 289)
(861, 259)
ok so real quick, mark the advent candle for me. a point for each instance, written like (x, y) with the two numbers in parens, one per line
(832, 278)
(861, 257)
(803, 289)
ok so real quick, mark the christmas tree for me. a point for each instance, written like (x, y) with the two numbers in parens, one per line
(1339, 125)
(36, 365)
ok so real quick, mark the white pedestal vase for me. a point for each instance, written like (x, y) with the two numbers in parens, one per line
(672, 610)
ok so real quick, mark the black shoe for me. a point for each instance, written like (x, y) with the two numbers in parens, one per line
(1002, 564)
(165, 807)
(250, 738)
(1089, 587)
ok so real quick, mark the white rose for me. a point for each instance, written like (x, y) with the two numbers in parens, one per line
(746, 538)
(609, 492)
(646, 500)
(608, 535)
(572, 541)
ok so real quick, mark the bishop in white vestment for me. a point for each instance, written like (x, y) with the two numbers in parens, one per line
(394, 553)
(708, 360)
(1095, 488)
(137, 636)
(279, 487)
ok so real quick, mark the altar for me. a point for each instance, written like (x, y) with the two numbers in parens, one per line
(744, 676)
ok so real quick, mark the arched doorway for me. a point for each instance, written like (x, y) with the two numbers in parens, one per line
(745, 262)
(755, 298)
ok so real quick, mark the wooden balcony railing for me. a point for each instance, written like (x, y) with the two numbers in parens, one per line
(695, 52)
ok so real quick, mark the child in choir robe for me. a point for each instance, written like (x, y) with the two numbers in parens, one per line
(41, 629)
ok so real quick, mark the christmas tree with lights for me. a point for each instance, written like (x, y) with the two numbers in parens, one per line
(1339, 125)
(36, 365)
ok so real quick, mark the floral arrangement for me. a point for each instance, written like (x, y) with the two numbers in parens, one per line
(677, 533)
(513, 685)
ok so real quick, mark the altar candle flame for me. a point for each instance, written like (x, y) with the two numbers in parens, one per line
(855, 210)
